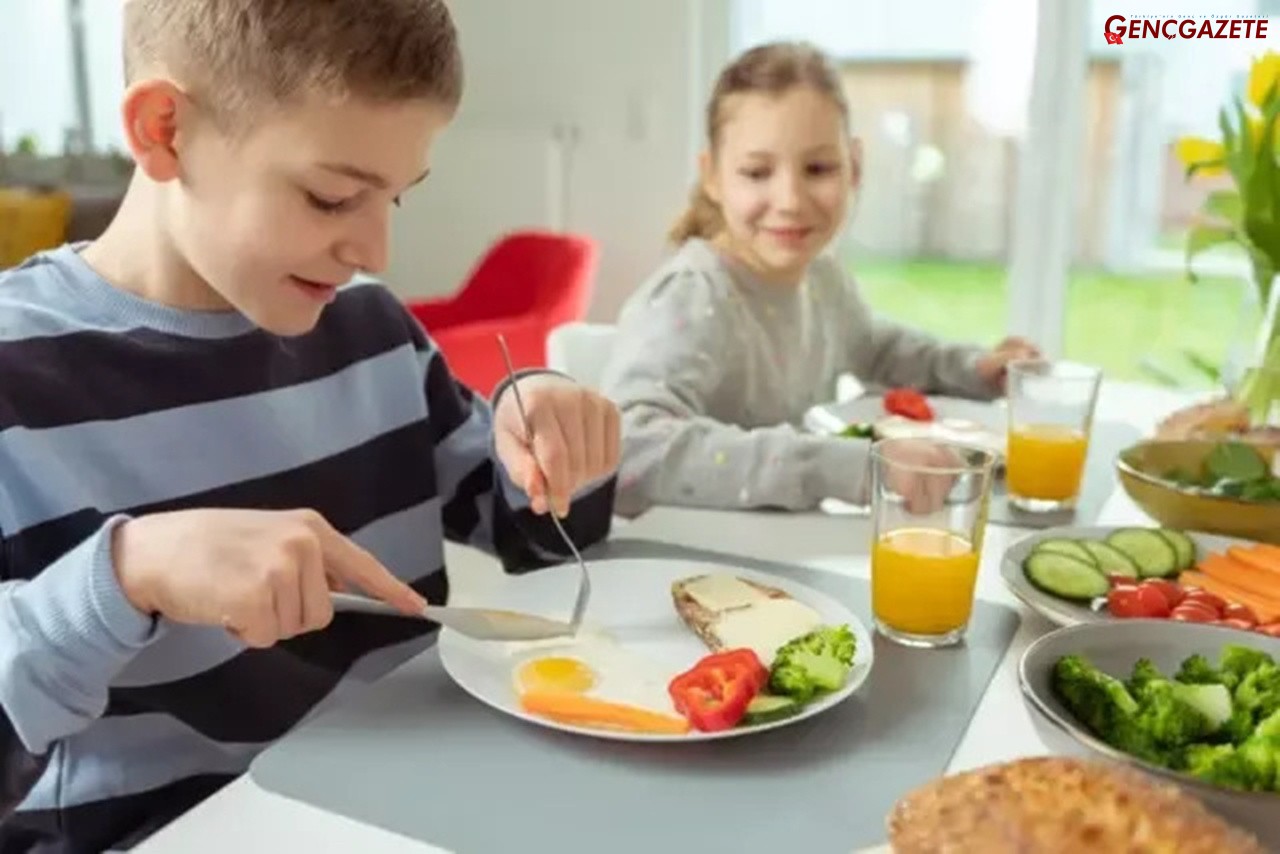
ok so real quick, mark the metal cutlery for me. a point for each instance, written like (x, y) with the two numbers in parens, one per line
(489, 624)
(584, 578)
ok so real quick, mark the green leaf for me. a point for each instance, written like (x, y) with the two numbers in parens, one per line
(1203, 366)
(1240, 157)
(1226, 204)
(1203, 237)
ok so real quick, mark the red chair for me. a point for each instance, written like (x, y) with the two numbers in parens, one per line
(527, 284)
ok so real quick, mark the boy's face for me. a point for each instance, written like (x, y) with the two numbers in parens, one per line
(275, 220)
(781, 174)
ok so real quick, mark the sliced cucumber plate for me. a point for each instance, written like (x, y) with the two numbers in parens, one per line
(1062, 575)
(1080, 569)
(1149, 549)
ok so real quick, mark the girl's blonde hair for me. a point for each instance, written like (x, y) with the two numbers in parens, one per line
(773, 69)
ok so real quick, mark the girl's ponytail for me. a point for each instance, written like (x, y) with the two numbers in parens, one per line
(701, 218)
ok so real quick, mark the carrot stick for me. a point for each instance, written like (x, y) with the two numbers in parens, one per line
(588, 711)
(1265, 608)
(1241, 574)
(1258, 558)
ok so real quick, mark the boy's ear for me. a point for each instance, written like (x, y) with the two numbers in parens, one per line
(707, 176)
(153, 111)
(855, 162)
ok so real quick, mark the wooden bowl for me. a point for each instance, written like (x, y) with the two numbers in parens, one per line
(1141, 469)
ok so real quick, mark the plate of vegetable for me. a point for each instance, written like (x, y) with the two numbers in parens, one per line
(1197, 704)
(1221, 487)
(1094, 574)
(905, 412)
(669, 651)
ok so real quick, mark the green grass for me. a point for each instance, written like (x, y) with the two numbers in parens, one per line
(1114, 321)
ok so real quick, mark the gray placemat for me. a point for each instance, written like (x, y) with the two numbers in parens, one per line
(1108, 440)
(416, 755)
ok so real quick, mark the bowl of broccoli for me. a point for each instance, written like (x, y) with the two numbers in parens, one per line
(1193, 703)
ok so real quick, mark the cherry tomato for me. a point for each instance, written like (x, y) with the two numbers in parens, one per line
(1192, 612)
(1272, 629)
(1171, 591)
(1236, 611)
(1210, 600)
(1242, 625)
(1137, 602)
(1122, 581)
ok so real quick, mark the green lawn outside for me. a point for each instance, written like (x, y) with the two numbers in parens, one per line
(1113, 321)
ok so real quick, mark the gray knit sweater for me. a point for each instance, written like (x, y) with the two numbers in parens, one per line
(714, 370)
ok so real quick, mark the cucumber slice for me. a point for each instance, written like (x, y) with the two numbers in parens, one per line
(1183, 546)
(1154, 555)
(1070, 548)
(1064, 576)
(766, 708)
(1110, 559)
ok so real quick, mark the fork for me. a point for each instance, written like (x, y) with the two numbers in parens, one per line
(584, 578)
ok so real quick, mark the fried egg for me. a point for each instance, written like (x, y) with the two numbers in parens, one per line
(596, 666)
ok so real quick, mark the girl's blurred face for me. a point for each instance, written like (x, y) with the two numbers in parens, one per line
(781, 173)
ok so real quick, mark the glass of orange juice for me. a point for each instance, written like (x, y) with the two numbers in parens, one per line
(1051, 408)
(929, 512)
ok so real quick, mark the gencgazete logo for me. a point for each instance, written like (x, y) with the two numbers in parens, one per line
(1118, 27)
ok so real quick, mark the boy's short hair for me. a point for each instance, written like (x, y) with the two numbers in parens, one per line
(237, 55)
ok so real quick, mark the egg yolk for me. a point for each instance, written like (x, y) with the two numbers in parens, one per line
(556, 675)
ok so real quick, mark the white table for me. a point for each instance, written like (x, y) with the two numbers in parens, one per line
(245, 818)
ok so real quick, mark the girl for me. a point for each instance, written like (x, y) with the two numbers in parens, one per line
(720, 353)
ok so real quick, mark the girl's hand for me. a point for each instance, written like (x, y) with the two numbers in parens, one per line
(993, 366)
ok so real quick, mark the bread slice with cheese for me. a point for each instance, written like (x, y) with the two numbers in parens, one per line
(729, 612)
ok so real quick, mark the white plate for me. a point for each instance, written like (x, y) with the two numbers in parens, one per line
(983, 423)
(1065, 612)
(631, 604)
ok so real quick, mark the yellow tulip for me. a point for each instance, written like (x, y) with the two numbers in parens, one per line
(1263, 75)
(1196, 150)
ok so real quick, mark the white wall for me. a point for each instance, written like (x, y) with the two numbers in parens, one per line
(630, 75)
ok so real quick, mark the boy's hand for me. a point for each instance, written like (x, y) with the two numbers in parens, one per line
(265, 576)
(577, 436)
(992, 366)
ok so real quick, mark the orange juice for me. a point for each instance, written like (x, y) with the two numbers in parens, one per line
(1045, 462)
(922, 580)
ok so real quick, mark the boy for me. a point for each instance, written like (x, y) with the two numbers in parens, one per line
(202, 432)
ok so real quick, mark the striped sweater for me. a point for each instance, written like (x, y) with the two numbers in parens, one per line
(111, 723)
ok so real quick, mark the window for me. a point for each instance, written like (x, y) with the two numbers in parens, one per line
(38, 93)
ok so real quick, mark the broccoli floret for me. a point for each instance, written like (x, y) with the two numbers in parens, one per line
(1153, 722)
(1168, 719)
(1197, 670)
(1237, 662)
(1259, 691)
(1223, 765)
(1238, 727)
(1268, 727)
(813, 664)
(1144, 673)
(1098, 700)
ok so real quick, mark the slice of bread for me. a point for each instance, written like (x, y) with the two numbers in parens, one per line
(701, 620)
(1058, 805)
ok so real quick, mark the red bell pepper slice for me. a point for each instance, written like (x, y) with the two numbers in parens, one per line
(908, 403)
(714, 694)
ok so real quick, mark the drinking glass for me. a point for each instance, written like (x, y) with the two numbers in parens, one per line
(928, 520)
(1051, 407)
